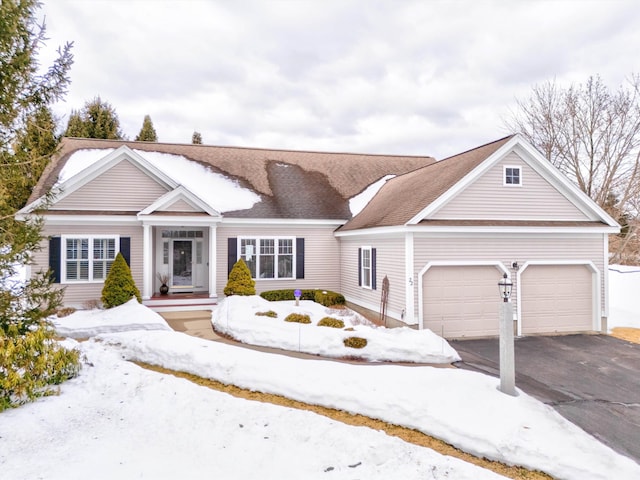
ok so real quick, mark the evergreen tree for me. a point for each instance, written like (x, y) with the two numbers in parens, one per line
(196, 138)
(97, 119)
(147, 132)
(240, 281)
(34, 146)
(119, 286)
(31, 358)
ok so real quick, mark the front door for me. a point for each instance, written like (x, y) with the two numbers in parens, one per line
(182, 265)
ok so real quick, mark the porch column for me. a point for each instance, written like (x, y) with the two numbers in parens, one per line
(212, 261)
(147, 264)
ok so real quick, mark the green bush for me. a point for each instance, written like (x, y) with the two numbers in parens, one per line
(240, 281)
(30, 363)
(355, 342)
(287, 294)
(269, 313)
(329, 298)
(323, 297)
(119, 286)
(298, 318)
(331, 322)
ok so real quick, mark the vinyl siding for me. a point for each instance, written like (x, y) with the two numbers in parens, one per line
(180, 206)
(322, 255)
(76, 294)
(389, 262)
(507, 249)
(488, 198)
(124, 187)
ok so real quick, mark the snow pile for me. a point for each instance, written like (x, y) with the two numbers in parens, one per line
(89, 323)
(237, 316)
(624, 285)
(117, 420)
(464, 408)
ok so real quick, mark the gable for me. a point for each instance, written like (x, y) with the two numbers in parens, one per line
(123, 187)
(180, 205)
(488, 198)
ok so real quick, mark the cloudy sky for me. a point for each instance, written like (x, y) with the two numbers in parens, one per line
(389, 76)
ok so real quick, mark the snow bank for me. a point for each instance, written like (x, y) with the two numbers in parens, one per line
(463, 408)
(236, 316)
(624, 285)
(126, 317)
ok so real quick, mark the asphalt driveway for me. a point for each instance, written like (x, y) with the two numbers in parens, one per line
(592, 380)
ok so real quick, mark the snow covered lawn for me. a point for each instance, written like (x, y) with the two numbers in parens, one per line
(117, 420)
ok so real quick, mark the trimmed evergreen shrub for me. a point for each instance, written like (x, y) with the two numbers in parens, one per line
(355, 342)
(323, 297)
(269, 313)
(297, 318)
(329, 298)
(287, 294)
(331, 322)
(119, 286)
(240, 281)
(30, 363)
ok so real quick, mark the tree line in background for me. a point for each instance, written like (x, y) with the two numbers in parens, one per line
(592, 134)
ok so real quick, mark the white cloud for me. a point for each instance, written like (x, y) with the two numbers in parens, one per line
(306, 74)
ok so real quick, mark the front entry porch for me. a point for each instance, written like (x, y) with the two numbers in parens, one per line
(174, 302)
(179, 260)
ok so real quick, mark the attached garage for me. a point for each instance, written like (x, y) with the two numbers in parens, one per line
(557, 298)
(461, 301)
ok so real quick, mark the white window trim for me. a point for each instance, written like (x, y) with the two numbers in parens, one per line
(63, 256)
(362, 268)
(257, 255)
(504, 176)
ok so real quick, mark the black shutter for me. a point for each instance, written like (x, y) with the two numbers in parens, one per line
(299, 257)
(54, 258)
(125, 249)
(373, 268)
(232, 253)
(359, 267)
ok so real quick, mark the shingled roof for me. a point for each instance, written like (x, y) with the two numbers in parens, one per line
(292, 184)
(403, 197)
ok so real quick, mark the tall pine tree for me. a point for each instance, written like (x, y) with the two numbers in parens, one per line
(147, 132)
(31, 358)
(97, 119)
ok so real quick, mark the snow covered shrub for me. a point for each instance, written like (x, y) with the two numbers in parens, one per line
(331, 322)
(30, 363)
(355, 342)
(270, 314)
(240, 281)
(297, 318)
(119, 286)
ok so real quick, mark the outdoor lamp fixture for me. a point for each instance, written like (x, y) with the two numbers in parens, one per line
(505, 288)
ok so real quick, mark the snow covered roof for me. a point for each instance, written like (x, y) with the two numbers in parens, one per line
(274, 183)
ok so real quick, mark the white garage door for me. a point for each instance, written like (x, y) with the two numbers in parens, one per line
(461, 301)
(557, 298)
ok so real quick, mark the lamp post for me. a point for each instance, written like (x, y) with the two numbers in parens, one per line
(507, 355)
